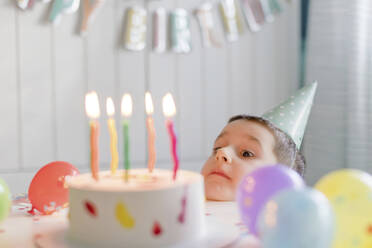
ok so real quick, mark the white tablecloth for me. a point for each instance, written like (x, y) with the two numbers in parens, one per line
(23, 230)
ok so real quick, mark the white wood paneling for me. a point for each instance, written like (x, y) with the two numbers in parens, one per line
(283, 62)
(189, 91)
(100, 61)
(215, 77)
(70, 88)
(130, 70)
(243, 75)
(45, 72)
(9, 141)
(264, 57)
(292, 12)
(36, 83)
(161, 79)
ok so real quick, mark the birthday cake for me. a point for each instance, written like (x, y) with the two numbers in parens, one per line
(147, 210)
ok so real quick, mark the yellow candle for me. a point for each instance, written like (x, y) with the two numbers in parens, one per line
(150, 132)
(113, 135)
(93, 112)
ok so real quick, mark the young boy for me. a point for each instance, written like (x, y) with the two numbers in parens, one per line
(249, 142)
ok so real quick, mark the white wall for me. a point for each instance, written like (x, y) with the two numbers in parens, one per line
(45, 72)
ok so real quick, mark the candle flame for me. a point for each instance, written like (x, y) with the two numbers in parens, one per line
(92, 105)
(126, 105)
(169, 108)
(149, 104)
(110, 108)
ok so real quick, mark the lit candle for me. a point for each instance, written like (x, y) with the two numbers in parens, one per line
(169, 110)
(110, 108)
(93, 112)
(150, 131)
(126, 111)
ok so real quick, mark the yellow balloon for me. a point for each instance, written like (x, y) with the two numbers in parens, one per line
(350, 194)
(5, 200)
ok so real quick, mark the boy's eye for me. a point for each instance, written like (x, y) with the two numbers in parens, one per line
(216, 149)
(247, 154)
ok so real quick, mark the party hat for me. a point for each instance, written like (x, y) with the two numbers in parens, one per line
(291, 115)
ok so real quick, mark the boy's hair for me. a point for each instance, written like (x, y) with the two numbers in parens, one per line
(285, 149)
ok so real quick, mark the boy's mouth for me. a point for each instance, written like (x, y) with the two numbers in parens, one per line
(221, 174)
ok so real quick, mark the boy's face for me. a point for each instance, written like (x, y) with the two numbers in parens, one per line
(242, 146)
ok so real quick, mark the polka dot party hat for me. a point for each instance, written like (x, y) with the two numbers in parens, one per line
(291, 115)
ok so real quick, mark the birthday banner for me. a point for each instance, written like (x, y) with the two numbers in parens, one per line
(235, 14)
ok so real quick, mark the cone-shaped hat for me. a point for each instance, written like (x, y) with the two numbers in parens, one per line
(291, 115)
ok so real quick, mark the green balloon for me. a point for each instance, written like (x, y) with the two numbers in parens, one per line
(5, 202)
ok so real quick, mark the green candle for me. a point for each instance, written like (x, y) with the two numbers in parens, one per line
(126, 148)
(126, 111)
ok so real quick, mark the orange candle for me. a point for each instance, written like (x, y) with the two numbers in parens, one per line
(94, 130)
(150, 132)
(93, 112)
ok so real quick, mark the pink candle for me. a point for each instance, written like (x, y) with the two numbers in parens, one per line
(169, 110)
(173, 140)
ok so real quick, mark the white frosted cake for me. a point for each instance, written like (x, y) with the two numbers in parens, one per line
(150, 210)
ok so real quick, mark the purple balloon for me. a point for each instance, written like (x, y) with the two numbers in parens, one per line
(258, 186)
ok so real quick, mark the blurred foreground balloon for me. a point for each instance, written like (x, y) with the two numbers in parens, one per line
(258, 186)
(5, 201)
(350, 194)
(48, 191)
(296, 218)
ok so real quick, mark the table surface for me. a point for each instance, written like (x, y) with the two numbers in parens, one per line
(21, 229)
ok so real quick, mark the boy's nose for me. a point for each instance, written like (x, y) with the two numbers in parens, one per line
(223, 156)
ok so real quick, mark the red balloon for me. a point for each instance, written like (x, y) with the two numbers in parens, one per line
(48, 191)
